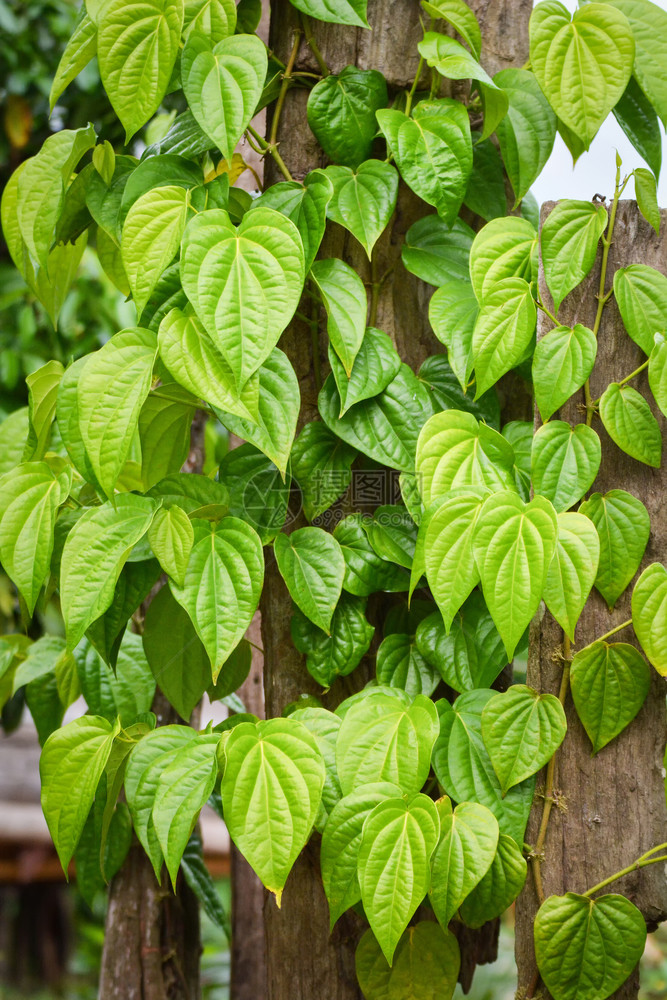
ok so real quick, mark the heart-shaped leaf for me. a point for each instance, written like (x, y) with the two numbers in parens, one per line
(498, 888)
(321, 464)
(471, 654)
(641, 296)
(610, 682)
(569, 239)
(306, 205)
(337, 654)
(503, 248)
(375, 366)
(341, 113)
(564, 462)
(465, 851)
(649, 614)
(171, 537)
(436, 252)
(312, 565)
(365, 570)
(623, 526)
(527, 132)
(449, 560)
(363, 201)
(572, 570)
(426, 962)
(344, 298)
(324, 726)
(562, 362)
(628, 420)
(452, 313)
(503, 331)
(400, 664)
(151, 236)
(214, 18)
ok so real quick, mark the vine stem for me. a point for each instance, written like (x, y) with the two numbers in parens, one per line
(413, 88)
(284, 86)
(270, 148)
(547, 312)
(313, 46)
(628, 378)
(641, 862)
(181, 402)
(613, 631)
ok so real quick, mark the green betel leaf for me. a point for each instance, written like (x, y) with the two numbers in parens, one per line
(363, 201)
(383, 740)
(455, 450)
(271, 790)
(527, 132)
(164, 432)
(436, 252)
(465, 851)
(610, 682)
(628, 421)
(449, 561)
(646, 192)
(365, 571)
(562, 362)
(564, 462)
(306, 205)
(258, 493)
(321, 464)
(503, 331)
(433, 151)
(454, 63)
(452, 313)
(649, 614)
(335, 11)
(80, 49)
(498, 888)
(522, 729)
(341, 841)
(503, 248)
(106, 633)
(337, 654)
(392, 534)
(183, 787)
(151, 236)
(42, 396)
(462, 19)
(14, 431)
(341, 113)
(397, 842)
(324, 726)
(582, 63)
(375, 366)
(137, 45)
(223, 84)
(312, 565)
(122, 693)
(463, 767)
(171, 537)
(344, 298)
(657, 373)
(445, 387)
(572, 571)
(112, 387)
(70, 768)
(30, 495)
(426, 961)
(94, 554)
(636, 116)
(569, 239)
(471, 655)
(641, 296)
(257, 276)
(225, 571)
(400, 664)
(623, 526)
(514, 543)
(649, 24)
(587, 948)
(485, 194)
(214, 18)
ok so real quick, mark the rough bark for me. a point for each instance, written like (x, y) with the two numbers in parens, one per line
(303, 961)
(615, 801)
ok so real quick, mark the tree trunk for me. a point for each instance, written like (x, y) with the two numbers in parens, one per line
(614, 803)
(303, 961)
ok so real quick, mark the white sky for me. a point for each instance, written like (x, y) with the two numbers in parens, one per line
(595, 170)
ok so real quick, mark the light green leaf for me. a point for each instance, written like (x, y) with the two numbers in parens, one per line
(641, 296)
(13, 436)
(569, 239)
(514, 543)
(587, 948)
(649, 614)
(426, 962)
(628, 421)
(363, 201)
(151, 236)
(657, 373)
(610, 682)
(365, 571)
(471, 655)
(341, 113)
(321, 465)
(400, 664)
(306, 205)
(271, 790)
(344, 298)
(397, 842)
(646, 192)
(244, 283)
(67, 416)
(503, 331)
(40, 658)
(171, 537)
(94, 554)
(623, 525)
(324, 726)
(503, 248)
(649, 25)
(42, 395)
(449, 561)
(572, 570)
(462, 19)
(70, 767)
(337, 654)
(562, 362)
(498, 888)
(452, 313)
(335, 11)
(465, 851)
(214, 18)
(80, 49)
(527, 132)
(375, 366)
(564, 462)
(522, 729)
(137, 46)
(583, 63)
(435, 252)
(312, 565)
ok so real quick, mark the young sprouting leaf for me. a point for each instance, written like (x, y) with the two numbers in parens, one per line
(565, 461)
(337, 654)
(498, 888)
(465, 852)
(400, 664)
(137, 45)
(351, 12)
(649, 615)
(322, 466)
(587, 948)
(311, 563)
(226, 570)
(527, 132)
(646, 192)
(569, 239)
(503, 331)
(514, 543)
(449, 561)
(397, 842)
(271, 790)
(427, 958)
(376, 365)
(171, 537)
(123, 693)
(471, 654)
(628, 421)
(582, 62)
(214, 18)
(363, 200)
(341, 113)
(641, 296)
(344, 298)
(80, 49)
(436, 252)
(452, 313)
(223, 84)
(365, 570)
(306, 205)
(257, 273)
(657, 373)
(562, 362)
(70, 767)
(610, 682)
(649, 24)
(383, 740)
(433, 151)
(572, 570)
(152, 234)
(522, 729)
(623, 526)
(638, 119)
(94, 554)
